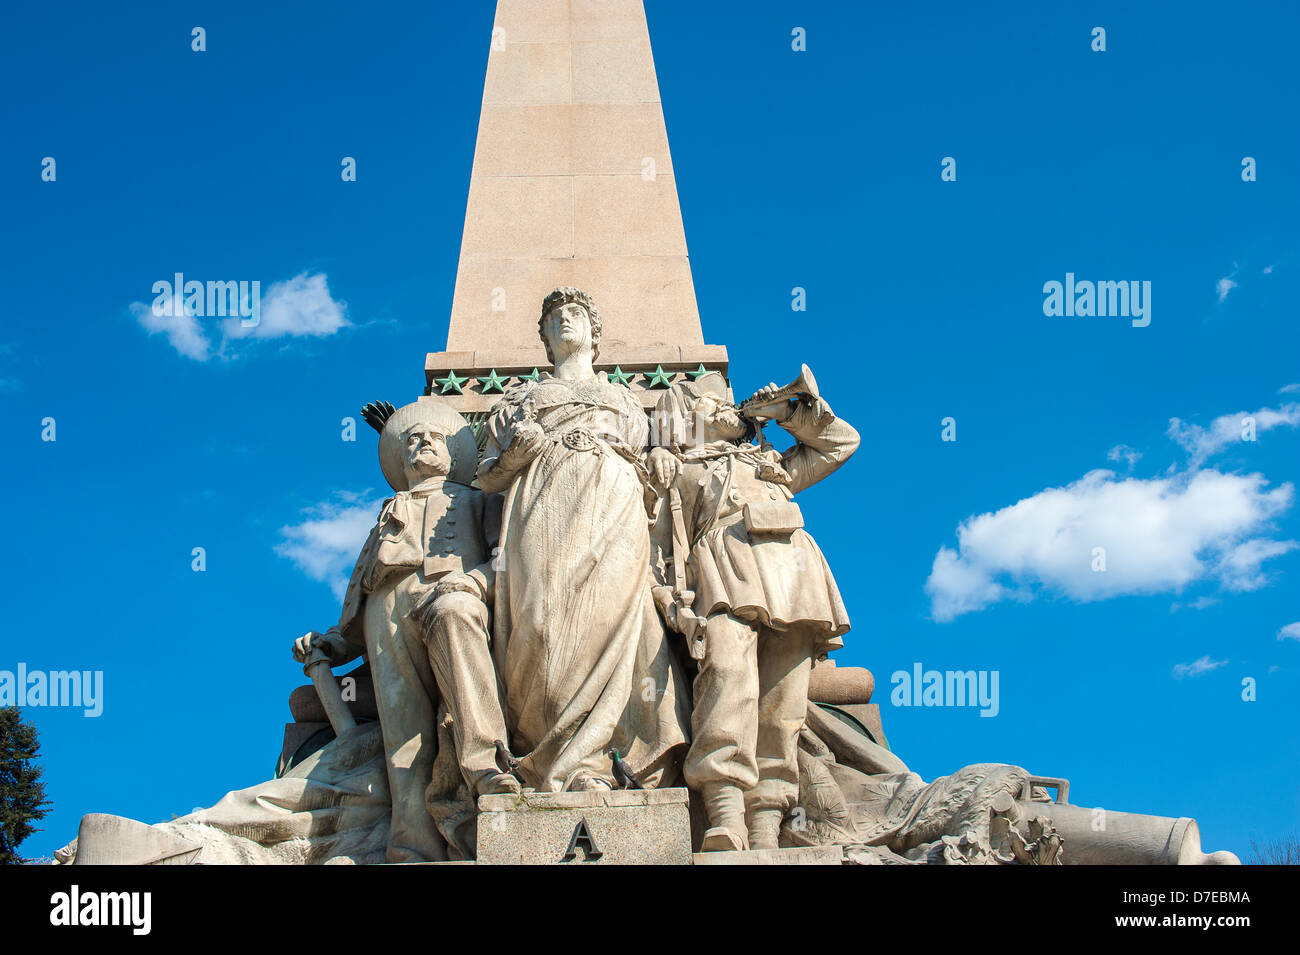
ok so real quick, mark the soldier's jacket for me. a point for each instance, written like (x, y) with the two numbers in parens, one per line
(439, 527)
(749, 553)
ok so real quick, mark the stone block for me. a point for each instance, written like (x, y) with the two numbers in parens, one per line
(614, 71)
(627, 216)
(801, 855)
(608, 20)
(529, 73)
(533, 21)
(526, 217)
(643, 300)
(868, 714)
(564, 140)
(623, 827)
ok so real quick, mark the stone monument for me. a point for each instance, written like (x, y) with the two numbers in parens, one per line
(594, 627)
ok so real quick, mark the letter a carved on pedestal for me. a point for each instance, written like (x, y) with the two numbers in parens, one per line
(582, 837)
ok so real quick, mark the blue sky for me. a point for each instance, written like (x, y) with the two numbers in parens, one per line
(818, 169)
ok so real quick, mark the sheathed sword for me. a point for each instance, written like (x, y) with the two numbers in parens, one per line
(692, 624)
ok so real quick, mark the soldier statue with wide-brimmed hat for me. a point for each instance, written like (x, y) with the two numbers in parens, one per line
(435, 532)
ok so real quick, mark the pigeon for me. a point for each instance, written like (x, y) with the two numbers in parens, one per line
(626, 778)
(505, 762)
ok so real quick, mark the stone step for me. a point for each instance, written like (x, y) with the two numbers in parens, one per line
(800, 855)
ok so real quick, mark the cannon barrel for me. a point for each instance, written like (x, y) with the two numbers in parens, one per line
(1104, 837)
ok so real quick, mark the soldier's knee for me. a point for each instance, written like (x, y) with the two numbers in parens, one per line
(458, 613)
(730, 645)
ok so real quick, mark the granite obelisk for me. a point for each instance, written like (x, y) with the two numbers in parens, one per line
(572, 184)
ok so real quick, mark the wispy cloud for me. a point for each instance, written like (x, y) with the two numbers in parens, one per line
(1122, 452)
(1203, 443)
(325, 545)
(1290, 632)
(182, 328)
(1200, 603)
(296, 308)
(1224, 286)
(1197, 667)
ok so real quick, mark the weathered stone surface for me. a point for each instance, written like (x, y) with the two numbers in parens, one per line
(113, 840)
(801, 855)
(840, 685)
(629, 826)
(572, 184)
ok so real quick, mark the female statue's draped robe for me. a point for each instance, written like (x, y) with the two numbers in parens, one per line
(581, 650)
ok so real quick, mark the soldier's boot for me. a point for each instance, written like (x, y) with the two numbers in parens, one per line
(494, 784)
(765, 828)
(725, 806)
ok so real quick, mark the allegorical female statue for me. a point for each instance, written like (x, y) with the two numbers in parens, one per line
(581, 651)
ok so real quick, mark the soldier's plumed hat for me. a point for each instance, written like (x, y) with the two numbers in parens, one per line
(448, 422)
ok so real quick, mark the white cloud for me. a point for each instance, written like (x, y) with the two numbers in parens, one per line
(299, 307)
(1197, 667)
(326, 544)
(1202, 443)
(1200, 603)
(1122, 452)
(183, 331)
(1224, 286)
(1290, 632)
(1159, 535)
(1289, 389)
(1240, 567)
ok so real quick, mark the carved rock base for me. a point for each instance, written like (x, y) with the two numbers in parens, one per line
(624, 827)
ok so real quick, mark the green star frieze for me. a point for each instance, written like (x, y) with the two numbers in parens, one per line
(658, 377)
(535, 376)
(620, 376)
(698, 373)
(451, 383)
(493, 382)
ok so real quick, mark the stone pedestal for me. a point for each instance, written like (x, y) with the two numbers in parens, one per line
(624, 827)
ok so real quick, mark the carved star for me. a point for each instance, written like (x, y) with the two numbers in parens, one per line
(493, 382)
(698, 373)
(535, 376)
(658, 377)
(451, 383)
(620, 376)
